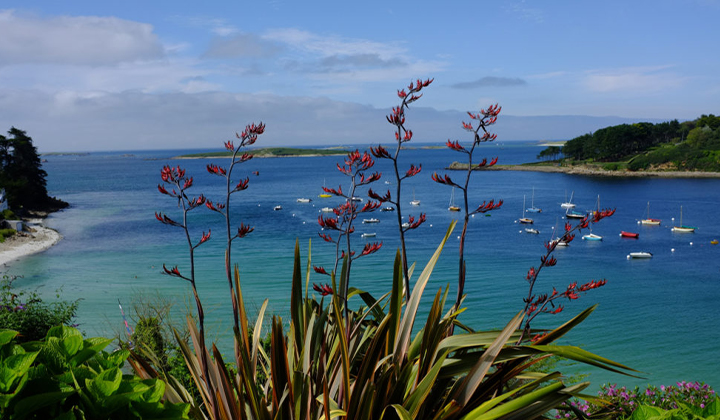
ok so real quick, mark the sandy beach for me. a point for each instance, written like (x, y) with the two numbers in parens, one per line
(36, 239)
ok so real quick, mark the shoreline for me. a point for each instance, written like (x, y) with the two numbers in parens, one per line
(37, 238)
(588, 171)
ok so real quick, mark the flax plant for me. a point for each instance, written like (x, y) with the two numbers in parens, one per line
(478, 127)
(402, 135)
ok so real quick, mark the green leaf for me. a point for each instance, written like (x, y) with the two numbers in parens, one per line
(105, 384)
(6, 336)
(401, 412)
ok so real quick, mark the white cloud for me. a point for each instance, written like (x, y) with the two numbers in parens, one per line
(633, 80)
(85, 40)
(328, 46)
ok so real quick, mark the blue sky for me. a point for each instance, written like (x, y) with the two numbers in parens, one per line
(90, 75)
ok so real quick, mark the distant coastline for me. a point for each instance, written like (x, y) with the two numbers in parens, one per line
(270, 152)
(588, 171)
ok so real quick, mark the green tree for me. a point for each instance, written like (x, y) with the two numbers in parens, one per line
(22, 175)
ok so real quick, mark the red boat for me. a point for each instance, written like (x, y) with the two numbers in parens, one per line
(629, 234)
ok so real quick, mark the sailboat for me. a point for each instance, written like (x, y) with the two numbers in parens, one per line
(414, 202)
(452, 206)
(648, 220)
(523, 219)
(681, 228)
(324, 194)
(568, 204)
(532, 208)
(591, 236)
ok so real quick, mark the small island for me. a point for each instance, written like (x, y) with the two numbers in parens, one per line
(271, 152)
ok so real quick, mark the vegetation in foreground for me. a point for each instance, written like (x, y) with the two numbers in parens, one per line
(669, 146)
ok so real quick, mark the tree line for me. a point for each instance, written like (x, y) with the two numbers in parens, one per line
(695, 140)
(22, 176)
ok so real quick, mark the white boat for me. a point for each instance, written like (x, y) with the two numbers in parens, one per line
(327, 210)
(276, 208)
(641, 254)
(532, 208)
(452, 206)
(414, 202)
(568, 204)
(531, 230)
(682, 228)
(356, 199)
(369, 235)
(387, 208)
(303, 200)
(523, 219)
(591, 236)
(406, 225)
(648, 220)
(373, 220)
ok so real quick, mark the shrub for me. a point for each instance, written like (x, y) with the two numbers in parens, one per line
(26, 312)
(68, 377)
(6, 233)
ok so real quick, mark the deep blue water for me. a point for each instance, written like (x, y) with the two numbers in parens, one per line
(659, 316)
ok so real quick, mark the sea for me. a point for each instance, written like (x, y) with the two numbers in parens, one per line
(659, 316)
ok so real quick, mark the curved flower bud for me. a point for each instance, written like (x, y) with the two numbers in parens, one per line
(324, 290)
(172, 272)
(381, 198)
(380, 152)
(456, 146)
(414, 170)
(370, 248)
(242, 185)
(243, 230)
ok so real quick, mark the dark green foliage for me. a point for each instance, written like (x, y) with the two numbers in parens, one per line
(7, 214)
(552, 153)
(22, 176)
(68, 377)
(25, 312)
(6, 233)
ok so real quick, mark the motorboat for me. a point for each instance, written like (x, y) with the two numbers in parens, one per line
(303, 200)
(639, 255)
(373, 220)
(632, 235)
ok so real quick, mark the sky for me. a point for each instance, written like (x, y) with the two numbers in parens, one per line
(81, 75)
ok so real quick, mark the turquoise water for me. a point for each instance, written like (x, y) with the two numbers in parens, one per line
(659, 316)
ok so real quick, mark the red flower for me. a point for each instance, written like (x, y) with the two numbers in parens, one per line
(243, 230)
(214, 169)
(380, 152)
(320, 270)
(414, 170)
(548, 262)
(491, 205)
(372, 194)
(204, 238)
(324, 290)
(455, 146)
(370, 248)
(242, 185)
(174, 272)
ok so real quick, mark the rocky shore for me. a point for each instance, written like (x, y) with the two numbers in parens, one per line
(589, 171)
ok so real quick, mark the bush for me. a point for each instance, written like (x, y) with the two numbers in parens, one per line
(6, 233)
(26, 312)
(68, 377)
(621, 402)
(7, 214)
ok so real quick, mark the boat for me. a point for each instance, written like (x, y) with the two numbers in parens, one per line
(406, 225)
(573, 214)
(452, 206)
(303, 200)
(414, 201)
(592, 237)
(531, 230)
(532, 208)
(632, 235)
(356, 199)
(327, 210)
(556, 241)
(373, 220)
(682, 228)
(639, 255)
(276, 208)
(648, 220)
(523, 219)
(714, 242)
(369, 235)
(568, 204)
(388, 208)
(324, 194)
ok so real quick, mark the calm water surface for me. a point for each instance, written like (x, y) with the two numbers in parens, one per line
(659, 316)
